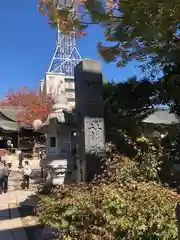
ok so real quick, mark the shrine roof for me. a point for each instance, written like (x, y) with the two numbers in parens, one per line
(8, 117)
(9, 126)
(162, 116)
(10, 112)
(64, 117)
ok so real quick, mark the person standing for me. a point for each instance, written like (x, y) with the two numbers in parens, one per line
(8, 160)
(26, 174)
(21, 157)
(6, 176)
(2, 175)
(42, 164)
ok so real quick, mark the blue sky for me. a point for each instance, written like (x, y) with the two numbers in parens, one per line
(27, 44)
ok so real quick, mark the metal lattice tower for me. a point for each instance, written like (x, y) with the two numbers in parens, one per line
(66, 55)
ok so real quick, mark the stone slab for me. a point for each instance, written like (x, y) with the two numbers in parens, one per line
(18, 230)
(4, 211)
(6, 235)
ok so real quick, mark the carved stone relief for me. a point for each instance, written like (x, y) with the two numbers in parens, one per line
(94, 134)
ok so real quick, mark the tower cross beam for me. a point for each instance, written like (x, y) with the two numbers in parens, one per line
(66, 50)
(66, 55)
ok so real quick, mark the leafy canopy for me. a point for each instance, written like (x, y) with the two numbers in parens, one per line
(139, 29)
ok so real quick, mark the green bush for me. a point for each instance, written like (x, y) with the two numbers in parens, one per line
(107, 211)
(116, 205)
(145, 166)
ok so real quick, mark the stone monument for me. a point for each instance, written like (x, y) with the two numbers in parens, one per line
(58, 128)
(90, 118)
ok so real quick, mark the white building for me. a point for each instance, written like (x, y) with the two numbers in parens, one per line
(55, 83)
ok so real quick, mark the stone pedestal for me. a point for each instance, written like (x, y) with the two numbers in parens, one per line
(59, 158)
(90, 118)
(58, 170)
(58, 128)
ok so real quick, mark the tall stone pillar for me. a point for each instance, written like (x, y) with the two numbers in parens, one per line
(90, 118)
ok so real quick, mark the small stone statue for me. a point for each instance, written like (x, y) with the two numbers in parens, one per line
(60, 102)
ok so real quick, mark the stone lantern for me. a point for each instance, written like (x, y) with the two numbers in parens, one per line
(58, 128)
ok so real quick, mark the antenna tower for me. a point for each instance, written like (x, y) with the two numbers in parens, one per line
(66, 55)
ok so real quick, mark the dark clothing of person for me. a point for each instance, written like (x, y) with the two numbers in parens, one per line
(26, 181)
(9, 165)
(4, 174)
(1, 185)
(5, 178)
(6, 170)
(5, 184)
(2, 170)
(46, 175)
(26, 174)
(20, 160)
(42, 173)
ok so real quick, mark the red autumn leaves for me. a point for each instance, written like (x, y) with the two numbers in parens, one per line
(30, 104)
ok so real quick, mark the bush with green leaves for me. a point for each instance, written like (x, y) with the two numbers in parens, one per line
(116, 205)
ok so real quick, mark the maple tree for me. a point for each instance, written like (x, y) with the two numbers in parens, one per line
(31, 106)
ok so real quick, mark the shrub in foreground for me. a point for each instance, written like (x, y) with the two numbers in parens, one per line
(108, 211)
(115, 206)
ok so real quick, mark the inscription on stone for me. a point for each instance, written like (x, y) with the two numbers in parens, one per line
(94, 134)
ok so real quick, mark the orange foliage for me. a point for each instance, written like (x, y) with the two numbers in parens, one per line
(31, 105)
(48, 9)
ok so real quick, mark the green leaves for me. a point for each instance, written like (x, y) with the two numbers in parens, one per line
(140, 29)
(140, 213)
(117, 205)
